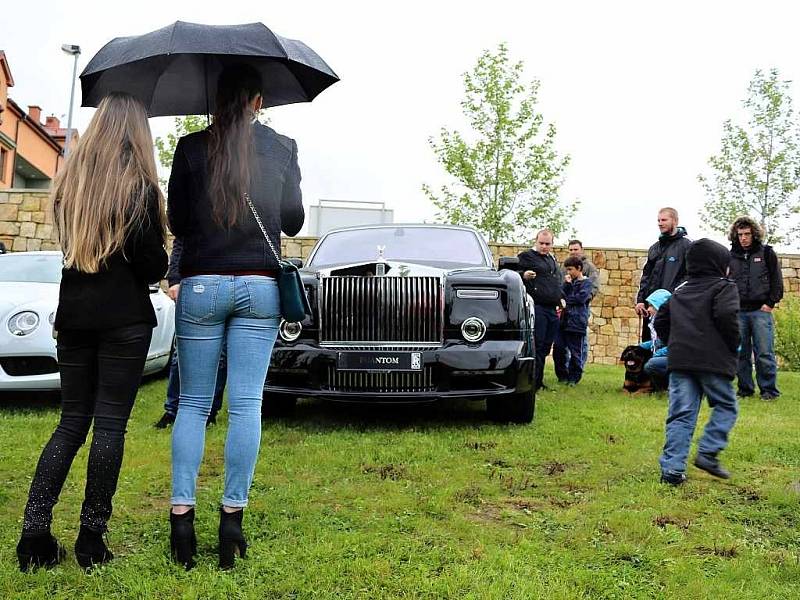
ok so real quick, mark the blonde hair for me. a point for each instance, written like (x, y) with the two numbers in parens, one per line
(670, 211)
(101, 193)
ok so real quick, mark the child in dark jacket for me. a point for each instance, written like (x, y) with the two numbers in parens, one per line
(700, 324)
(574, 321)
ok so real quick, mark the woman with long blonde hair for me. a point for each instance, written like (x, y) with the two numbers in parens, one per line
(109, 216)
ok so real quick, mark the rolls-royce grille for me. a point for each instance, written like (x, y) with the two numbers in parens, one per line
(381, 309)
(390, 381)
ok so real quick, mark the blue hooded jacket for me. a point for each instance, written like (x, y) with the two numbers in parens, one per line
(656, 300)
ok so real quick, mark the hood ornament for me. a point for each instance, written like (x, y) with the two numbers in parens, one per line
(380, 266)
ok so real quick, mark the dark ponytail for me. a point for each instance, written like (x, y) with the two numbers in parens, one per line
(230, 148)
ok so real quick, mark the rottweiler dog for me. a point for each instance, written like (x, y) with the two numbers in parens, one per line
(636, 380)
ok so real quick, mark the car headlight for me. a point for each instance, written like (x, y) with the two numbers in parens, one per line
(290, 331)
(23, 323)
(51, 318)
(473, 329)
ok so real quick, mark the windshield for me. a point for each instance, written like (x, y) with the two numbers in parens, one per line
(432, 246)
(35, 268)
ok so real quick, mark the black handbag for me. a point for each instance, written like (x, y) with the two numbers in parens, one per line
(294, 302)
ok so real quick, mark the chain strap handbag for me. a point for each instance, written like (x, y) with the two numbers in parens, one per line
(294, 302)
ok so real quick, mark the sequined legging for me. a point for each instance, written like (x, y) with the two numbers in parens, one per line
(100, 374)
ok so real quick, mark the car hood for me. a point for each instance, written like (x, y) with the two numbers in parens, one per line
(16, 293)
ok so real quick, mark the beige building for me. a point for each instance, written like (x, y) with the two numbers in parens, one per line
(31, 153)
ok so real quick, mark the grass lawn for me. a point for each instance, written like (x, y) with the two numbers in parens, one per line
(436, 502)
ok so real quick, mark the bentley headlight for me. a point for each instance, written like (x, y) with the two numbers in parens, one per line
(290, 331)
(23, 323)
(473, 329)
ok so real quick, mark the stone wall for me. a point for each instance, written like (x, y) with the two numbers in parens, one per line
(26, 224)
(26, 221)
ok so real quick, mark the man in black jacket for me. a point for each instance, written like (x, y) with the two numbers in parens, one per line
(700, 324)
(543, 278)
(755, 269)
(666, 263)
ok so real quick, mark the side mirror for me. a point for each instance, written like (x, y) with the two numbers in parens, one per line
(297, 262)
(508, 262)
(154, 287)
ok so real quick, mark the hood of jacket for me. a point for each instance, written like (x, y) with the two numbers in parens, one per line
(657, 298)
(680, 232)
(707, 258)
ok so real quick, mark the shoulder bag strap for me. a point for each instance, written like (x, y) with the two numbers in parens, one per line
(261, 226)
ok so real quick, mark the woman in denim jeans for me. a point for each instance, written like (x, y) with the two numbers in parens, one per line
(228, 294)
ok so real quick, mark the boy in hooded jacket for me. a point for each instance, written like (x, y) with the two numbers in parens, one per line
(577, 290)
(656, 367)
(700, 324)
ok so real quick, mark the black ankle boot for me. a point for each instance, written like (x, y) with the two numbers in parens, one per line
(231, 538)
(39, 550)
(90, 548)
(182, 541)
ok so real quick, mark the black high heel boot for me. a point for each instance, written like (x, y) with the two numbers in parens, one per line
(39, 550)
(91, 549)
(231, 538)
(182, 540)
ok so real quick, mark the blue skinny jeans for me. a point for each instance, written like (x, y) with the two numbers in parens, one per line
(212, 310)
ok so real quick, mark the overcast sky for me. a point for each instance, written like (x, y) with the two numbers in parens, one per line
(637, 90)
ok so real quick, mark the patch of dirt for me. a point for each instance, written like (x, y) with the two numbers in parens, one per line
(721, 551)
(470, 495)
(562, 502)
(526, 505)
(795, 487)
(612, 439)
(554, 468)
(748, 494)
(390, 471)
(663, 520)
(488, 445)
(500, 463)
(487, 513)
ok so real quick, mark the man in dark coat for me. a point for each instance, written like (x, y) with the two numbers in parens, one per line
(755, 269)
(542, 277)
(700, 324)
(666, 263)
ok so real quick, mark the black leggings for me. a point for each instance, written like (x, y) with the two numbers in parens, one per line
(100, 374)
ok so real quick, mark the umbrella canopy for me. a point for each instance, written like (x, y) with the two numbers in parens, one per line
(174, 70)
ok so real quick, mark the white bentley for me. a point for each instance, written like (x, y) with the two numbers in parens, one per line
(28, 299)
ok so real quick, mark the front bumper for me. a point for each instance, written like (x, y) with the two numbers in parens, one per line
(455, 370)
(28, 363)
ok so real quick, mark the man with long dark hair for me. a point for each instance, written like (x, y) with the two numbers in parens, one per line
(755, 268)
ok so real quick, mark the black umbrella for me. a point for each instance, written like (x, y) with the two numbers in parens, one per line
(174, 70)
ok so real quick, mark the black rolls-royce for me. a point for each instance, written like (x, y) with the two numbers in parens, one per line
(407, 313)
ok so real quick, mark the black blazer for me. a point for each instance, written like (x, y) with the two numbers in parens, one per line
(117, 295)
(274, 190)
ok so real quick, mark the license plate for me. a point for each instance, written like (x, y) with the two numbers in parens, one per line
(380, 361)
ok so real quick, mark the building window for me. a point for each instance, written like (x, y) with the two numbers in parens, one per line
(3, 156)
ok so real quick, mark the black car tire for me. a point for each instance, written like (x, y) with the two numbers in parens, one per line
(516, 408)
(277, 405)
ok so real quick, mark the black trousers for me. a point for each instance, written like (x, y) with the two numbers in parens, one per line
(100, 375)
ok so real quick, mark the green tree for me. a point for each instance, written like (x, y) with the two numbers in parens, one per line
(506, 169)
(757, 171)
(165, 147)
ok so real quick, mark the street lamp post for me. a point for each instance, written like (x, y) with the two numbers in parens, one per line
(74, 51)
